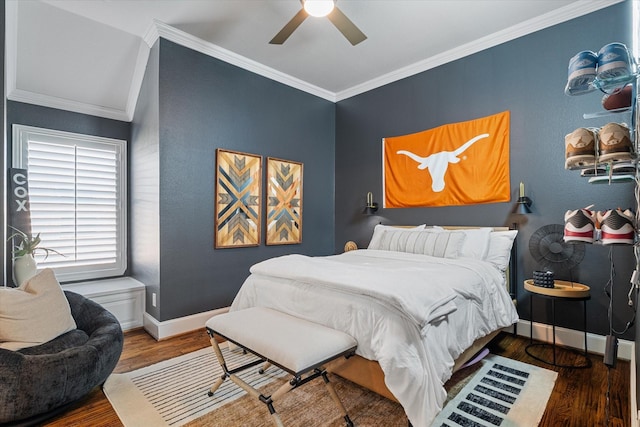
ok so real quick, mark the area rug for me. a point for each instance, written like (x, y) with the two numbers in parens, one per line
(174, 393)
(503, 392)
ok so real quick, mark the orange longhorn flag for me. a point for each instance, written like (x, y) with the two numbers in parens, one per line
(455, 164)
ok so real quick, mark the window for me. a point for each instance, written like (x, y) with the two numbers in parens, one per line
(77, 198)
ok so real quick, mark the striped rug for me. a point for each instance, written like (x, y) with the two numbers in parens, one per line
(503, 392)
(174, 392)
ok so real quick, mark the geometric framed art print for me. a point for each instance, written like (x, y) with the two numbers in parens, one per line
(284, 202)
(238, 199)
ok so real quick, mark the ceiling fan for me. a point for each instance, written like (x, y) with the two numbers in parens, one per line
(321, 8)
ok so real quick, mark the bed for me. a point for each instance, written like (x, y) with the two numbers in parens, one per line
(418, 300)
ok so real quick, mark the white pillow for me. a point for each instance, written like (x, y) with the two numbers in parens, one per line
(33, 313)
(500, 243)
(476, 243)
(379, 228)
(442, 244)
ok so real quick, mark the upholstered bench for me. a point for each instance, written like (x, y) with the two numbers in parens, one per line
(297, 346)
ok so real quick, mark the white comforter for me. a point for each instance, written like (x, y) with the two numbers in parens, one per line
(414, 314)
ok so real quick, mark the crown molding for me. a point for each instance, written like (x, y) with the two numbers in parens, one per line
(187, 40)
(151, 35)
(137, 78)
(65, 104)
(11, 46)
(571, 11)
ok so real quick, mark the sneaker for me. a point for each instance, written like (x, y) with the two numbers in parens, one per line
(618, 98)
(580, 148)
(611, 179)
(617, 226)
(595, 171)
(623, 168)
(614, 143)
(614, 62)
(581, 73)
(610, 169)
(580, 226)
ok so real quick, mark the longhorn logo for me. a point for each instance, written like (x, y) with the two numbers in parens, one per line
(437, 163)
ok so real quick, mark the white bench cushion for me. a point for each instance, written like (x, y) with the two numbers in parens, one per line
(290, 342)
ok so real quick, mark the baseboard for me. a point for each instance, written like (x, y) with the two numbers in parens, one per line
(574, 339)
(169, 328)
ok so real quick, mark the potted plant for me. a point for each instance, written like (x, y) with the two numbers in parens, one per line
(24, 248)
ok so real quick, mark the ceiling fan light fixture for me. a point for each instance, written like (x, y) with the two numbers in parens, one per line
(318, 8)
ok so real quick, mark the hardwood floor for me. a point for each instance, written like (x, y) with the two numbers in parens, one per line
(579, 398)
(140, 350)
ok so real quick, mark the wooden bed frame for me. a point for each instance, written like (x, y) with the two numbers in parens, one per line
(368, 373)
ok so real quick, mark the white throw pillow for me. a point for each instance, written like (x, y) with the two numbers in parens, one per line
(379, 228)
(476, 243)
(500, 243)
(33, 313)
(442, 244)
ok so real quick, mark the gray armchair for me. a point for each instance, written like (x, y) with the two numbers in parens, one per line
(38, 382)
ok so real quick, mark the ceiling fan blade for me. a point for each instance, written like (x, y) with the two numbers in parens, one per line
(346, 27)
(290, 27)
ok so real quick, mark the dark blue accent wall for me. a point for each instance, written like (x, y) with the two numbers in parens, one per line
(3, 250)
(527, 77)
(204, 104)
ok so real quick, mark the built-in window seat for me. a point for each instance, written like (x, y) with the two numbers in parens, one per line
(122, 296)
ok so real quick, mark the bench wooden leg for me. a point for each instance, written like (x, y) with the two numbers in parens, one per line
(264, 367)
(268, 400)
(216, 350)
(276, 420)
(230, 373)
(336, 399)
(284, 389)
(216, 385)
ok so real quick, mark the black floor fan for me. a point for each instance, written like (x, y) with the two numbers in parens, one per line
(552, 253)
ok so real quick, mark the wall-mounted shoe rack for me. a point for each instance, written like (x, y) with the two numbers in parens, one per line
(607, 172)
(616, 170)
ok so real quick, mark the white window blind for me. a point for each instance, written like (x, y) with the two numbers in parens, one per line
(77, 198)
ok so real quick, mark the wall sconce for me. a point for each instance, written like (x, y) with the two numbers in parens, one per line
(371, 207)
(522, 207)
(523, 204)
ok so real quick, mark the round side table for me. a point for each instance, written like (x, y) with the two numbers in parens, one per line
(561, 291)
